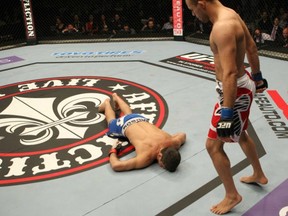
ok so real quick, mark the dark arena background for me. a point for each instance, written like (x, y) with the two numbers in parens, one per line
(61, 59)
(31, 22)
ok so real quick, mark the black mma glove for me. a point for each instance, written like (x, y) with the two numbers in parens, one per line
(225, 126)
(116, 150)
(258, 77)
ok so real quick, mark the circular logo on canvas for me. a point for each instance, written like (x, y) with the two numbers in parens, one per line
(50, 128)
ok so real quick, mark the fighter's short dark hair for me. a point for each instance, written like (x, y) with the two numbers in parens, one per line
(170, 158)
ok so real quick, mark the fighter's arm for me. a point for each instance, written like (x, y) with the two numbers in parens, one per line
(252, 56)
(251, 50)
(137, 162)
(224, 40)
(178, 139)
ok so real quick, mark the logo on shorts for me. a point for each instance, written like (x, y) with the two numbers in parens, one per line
(51, 128)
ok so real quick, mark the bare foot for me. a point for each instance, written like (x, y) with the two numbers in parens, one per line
(226, 205)
(116, 106)
(254, 179)
(102, 106)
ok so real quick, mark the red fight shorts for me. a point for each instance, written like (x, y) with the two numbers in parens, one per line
(245, 92)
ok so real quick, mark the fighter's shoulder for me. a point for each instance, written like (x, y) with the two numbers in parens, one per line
(227, 23)
(222, 28)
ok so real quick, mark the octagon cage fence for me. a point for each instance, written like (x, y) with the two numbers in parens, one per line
(29, 22)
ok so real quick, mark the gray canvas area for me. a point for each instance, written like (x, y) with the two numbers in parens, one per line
(190, 100)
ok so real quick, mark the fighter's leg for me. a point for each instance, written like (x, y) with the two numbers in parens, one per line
(119, 102)
(107, 109)
(222, 165)
(249, 148)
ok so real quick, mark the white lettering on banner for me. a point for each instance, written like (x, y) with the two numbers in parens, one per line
(50, 162)
(271, 115)
(199, 57)
(95, 152)
(28, 19)
(104, 53)
(55, 83)
(53, 161)
(131, 98)
(151, 107)
(177, 18)
(17, 166)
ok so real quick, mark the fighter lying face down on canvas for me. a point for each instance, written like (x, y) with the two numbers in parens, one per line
(150, 142)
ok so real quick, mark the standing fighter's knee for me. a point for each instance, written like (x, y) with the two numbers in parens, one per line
(212, 146)
(209, 146)
(243, 138)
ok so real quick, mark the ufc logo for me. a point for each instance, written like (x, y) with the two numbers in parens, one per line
(224, 124)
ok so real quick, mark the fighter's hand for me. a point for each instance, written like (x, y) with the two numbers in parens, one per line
(225, 126)
(116, 148)
(260, 82)
(261, 86)
(116, 144)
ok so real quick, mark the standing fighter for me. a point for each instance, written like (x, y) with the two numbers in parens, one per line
(150, 142)
(229, 41)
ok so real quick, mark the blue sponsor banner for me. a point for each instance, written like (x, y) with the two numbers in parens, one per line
(98, 53)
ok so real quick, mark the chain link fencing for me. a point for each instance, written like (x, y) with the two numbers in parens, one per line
(51, 21)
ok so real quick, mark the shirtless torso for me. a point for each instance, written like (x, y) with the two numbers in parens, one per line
(148, 140)
(229, 23)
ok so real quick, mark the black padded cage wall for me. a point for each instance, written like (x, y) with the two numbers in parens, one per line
(51, 21)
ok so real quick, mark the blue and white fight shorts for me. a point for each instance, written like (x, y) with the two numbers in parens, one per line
(118, 126)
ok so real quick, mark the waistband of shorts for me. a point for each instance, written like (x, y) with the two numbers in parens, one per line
(132, 121)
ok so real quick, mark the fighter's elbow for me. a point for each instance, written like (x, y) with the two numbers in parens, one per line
(230, 74)
(183, 139)
(116, 167)
(119, 167)
(251, 48)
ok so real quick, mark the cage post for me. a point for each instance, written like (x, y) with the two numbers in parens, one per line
(29, 23)
(177, 19)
